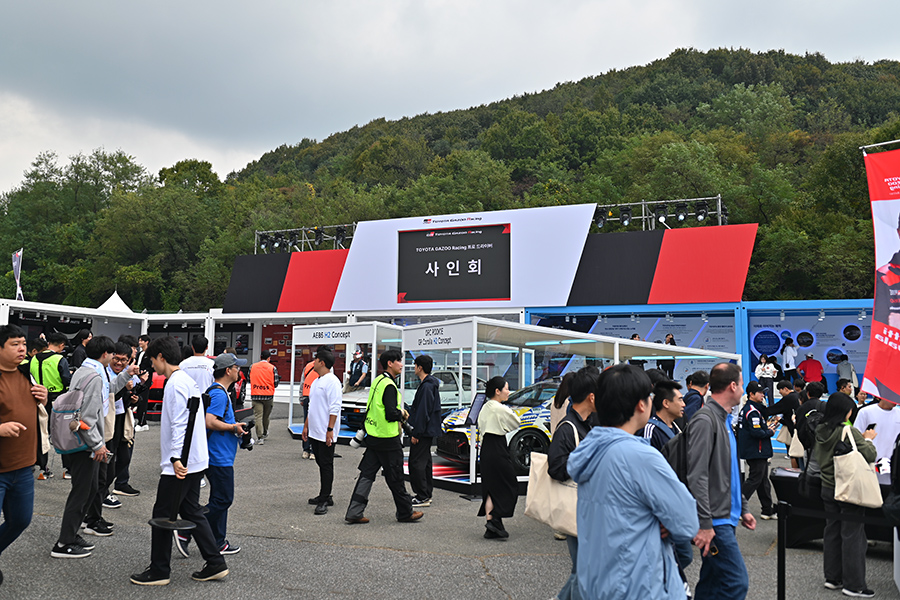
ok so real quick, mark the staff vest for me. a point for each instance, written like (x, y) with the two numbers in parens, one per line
(377, 424)
(45, 370)
(262, 379)
(308, 377)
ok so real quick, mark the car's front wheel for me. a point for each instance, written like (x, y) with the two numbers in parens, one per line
(523, 444)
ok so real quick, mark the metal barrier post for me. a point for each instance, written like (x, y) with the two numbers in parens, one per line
(782, 510)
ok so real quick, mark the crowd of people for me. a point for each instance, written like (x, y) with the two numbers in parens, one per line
(615, 434)
(638, 516)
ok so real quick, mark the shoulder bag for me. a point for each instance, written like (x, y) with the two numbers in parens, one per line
(549, 501)
(855, 480)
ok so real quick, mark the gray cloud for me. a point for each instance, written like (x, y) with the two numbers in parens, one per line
(166, 79)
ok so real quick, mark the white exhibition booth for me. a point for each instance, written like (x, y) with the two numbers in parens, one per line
(477, 342)
(345, 338)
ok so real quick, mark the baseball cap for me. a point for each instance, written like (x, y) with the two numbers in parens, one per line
(809, 355)
(226, 359)
(357, 354)
(753, 387)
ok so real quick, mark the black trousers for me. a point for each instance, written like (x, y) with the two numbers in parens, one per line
(184, 494)
(758, 481)
(387, 455)
(114, 446)
(325, 460)
(84, 471)
(420, 468)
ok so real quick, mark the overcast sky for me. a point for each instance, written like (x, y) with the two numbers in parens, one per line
(226, 81)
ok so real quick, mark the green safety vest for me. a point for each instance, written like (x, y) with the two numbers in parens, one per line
(48, 363)
(377, 424)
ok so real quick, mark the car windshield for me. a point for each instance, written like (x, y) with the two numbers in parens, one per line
(531, 396)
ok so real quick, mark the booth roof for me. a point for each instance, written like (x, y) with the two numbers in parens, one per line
(517, 335)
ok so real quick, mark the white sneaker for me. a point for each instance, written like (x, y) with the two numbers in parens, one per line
(305, 455)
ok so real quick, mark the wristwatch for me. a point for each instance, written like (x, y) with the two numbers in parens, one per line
(331, 429)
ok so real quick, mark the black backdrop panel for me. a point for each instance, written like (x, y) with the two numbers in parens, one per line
(256, 283)
(616, 268)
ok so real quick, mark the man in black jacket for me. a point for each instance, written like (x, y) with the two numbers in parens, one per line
(755, 446)
(425, 420)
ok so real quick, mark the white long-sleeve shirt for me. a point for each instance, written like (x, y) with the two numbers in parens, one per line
(173, 425)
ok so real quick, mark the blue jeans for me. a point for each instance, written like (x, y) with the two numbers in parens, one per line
(571, 591)
(221, 496)
(723, 575)
(17, 500)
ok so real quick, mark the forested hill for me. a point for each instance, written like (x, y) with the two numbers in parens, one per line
(775, 134)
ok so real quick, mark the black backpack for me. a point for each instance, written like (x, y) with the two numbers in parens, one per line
(806, 433)
(676, 453)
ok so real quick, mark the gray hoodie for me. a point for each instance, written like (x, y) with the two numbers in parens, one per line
(91, 405)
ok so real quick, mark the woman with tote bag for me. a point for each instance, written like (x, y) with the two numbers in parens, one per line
(845, 541)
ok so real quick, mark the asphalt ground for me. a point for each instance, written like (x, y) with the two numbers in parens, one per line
(287, 552)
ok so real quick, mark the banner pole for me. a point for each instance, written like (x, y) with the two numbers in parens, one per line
(863, 148)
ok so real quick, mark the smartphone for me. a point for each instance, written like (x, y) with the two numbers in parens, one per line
(872, 426)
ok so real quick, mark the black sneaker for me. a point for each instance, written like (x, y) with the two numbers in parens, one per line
(149, 578)
(126, 490)
(106, 523)
(111, 502)
(866, 593)
(417, 503)
(100, 529)
(321, 508)
(210, 572)
(80, 541)
(227, 548)
(181, 544)
(69, 551)
(765, 516)
(329, 502)
(831, 584)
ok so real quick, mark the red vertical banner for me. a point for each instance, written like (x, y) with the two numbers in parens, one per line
(882, 374)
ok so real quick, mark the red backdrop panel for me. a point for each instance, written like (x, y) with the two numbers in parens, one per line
(703, 264)
(312, 280)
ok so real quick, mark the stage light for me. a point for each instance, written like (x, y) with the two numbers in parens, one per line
(625, 216)
(660, 213)
(277, 241)
(264, 243)
(724, 215)
(567, 318)
(320, 236)
(701, 209)
(632, 317)
(295, 238)
(600, 217)
(574, 319)
(339, 235)
(704, 317)
(637, 318)
(862, 315)
(781, 316)
(822, 315)
(681, 211)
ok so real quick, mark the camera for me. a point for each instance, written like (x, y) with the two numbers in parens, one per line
(359, 439)
(407, 428)
(246, 438)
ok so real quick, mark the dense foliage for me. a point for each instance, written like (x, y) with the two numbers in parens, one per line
(775, 134)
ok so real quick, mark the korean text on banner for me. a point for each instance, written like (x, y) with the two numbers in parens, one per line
(882, 374)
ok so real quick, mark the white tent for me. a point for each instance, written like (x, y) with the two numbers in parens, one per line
(115, 304)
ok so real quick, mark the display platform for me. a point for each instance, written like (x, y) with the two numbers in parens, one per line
(344, 435)
(456, 478)
(802, 529)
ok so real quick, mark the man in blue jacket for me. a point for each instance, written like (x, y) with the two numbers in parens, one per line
(631, 506)
(755, 446)
(425, 420)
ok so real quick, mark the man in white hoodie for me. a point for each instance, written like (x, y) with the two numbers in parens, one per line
(179, 480)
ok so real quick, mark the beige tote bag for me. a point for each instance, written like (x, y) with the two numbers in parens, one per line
(549, 501)
(855, 479)
(796, 450)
